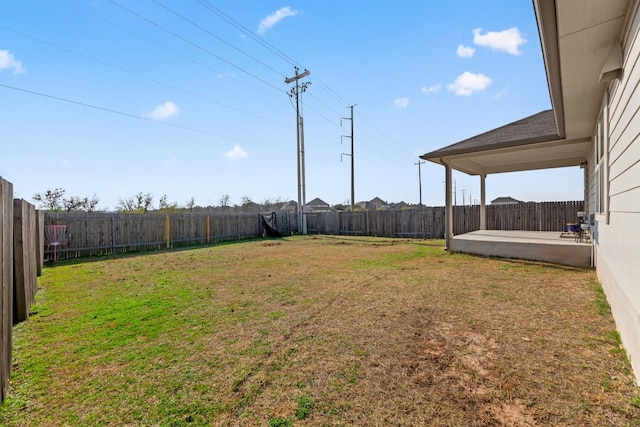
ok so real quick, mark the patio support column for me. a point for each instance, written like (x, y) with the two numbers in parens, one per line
(448, 215)
(483, 203)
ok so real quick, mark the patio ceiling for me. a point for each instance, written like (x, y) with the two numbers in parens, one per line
(577, 38)
(532, 156)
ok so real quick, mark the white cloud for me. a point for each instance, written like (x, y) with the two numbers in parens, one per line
(237, 153)
(431, 89)
(401, 103)
(508, 41)
(277, 16)
(467, 83)
(9, 62)
(465, 51)
(163, 111)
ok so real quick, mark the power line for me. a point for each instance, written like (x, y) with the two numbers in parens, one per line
(217, 38)
(196, 45)
(138, 75)
(259, 40)
(109, 110)
(283, 56)
(247, 32)
(271, 48)
(133, 33)
(326, 105)
(327, 89)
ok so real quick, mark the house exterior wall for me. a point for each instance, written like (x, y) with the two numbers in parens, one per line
(617, 230)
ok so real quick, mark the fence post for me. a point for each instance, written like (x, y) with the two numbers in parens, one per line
(39, 241)
(6, 284)
(167, 231)
(24, 258)
(208, 227)
(113, 235)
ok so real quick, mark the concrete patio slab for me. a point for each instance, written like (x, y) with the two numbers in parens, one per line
(530, 245)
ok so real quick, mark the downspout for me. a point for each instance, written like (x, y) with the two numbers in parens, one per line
(448, 213)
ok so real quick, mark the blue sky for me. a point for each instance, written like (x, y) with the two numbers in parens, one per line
(187, 98)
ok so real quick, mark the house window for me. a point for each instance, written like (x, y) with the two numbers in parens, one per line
(600, 173)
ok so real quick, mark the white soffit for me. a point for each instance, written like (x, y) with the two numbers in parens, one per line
(544, 155)
(588, 31)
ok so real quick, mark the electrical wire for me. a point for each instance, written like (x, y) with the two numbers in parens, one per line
(218, 38)
(175, 52)
(196, 45)
(291, 61)
(138, 75)
(121, 113)
(247, 32)
(267, 46)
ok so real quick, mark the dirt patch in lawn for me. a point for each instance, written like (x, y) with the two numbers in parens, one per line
(320, 331)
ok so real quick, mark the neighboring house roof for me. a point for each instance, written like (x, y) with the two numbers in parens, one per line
(378, 202)
(289, 206)
(505, 201)
(364, 206)
(318, 204)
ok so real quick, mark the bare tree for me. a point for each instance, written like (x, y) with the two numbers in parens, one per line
(267, 203)
(144, 201)
(137, 203)
(162, 203)
(224, 200)
(54, 200)
(190, 204)
(245, 200)
(91, 204)
(50, 199)
(74, 203)
(166, 206)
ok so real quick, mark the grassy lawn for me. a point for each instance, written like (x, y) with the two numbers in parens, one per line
(308, 331)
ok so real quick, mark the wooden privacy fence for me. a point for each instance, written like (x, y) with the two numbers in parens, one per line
(21, 258)
(429, 222)
(6, 283)
(87, 234)
(424, 223)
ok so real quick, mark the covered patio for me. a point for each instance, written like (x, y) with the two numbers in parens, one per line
(581, 52)
(528, 144)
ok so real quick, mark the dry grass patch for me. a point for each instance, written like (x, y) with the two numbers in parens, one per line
(319, 331)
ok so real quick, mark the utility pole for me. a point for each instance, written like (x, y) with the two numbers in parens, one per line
(295, 91)
(455, 194)
(463, 190)
(351, 155)
(455, 203)
(420, 180)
